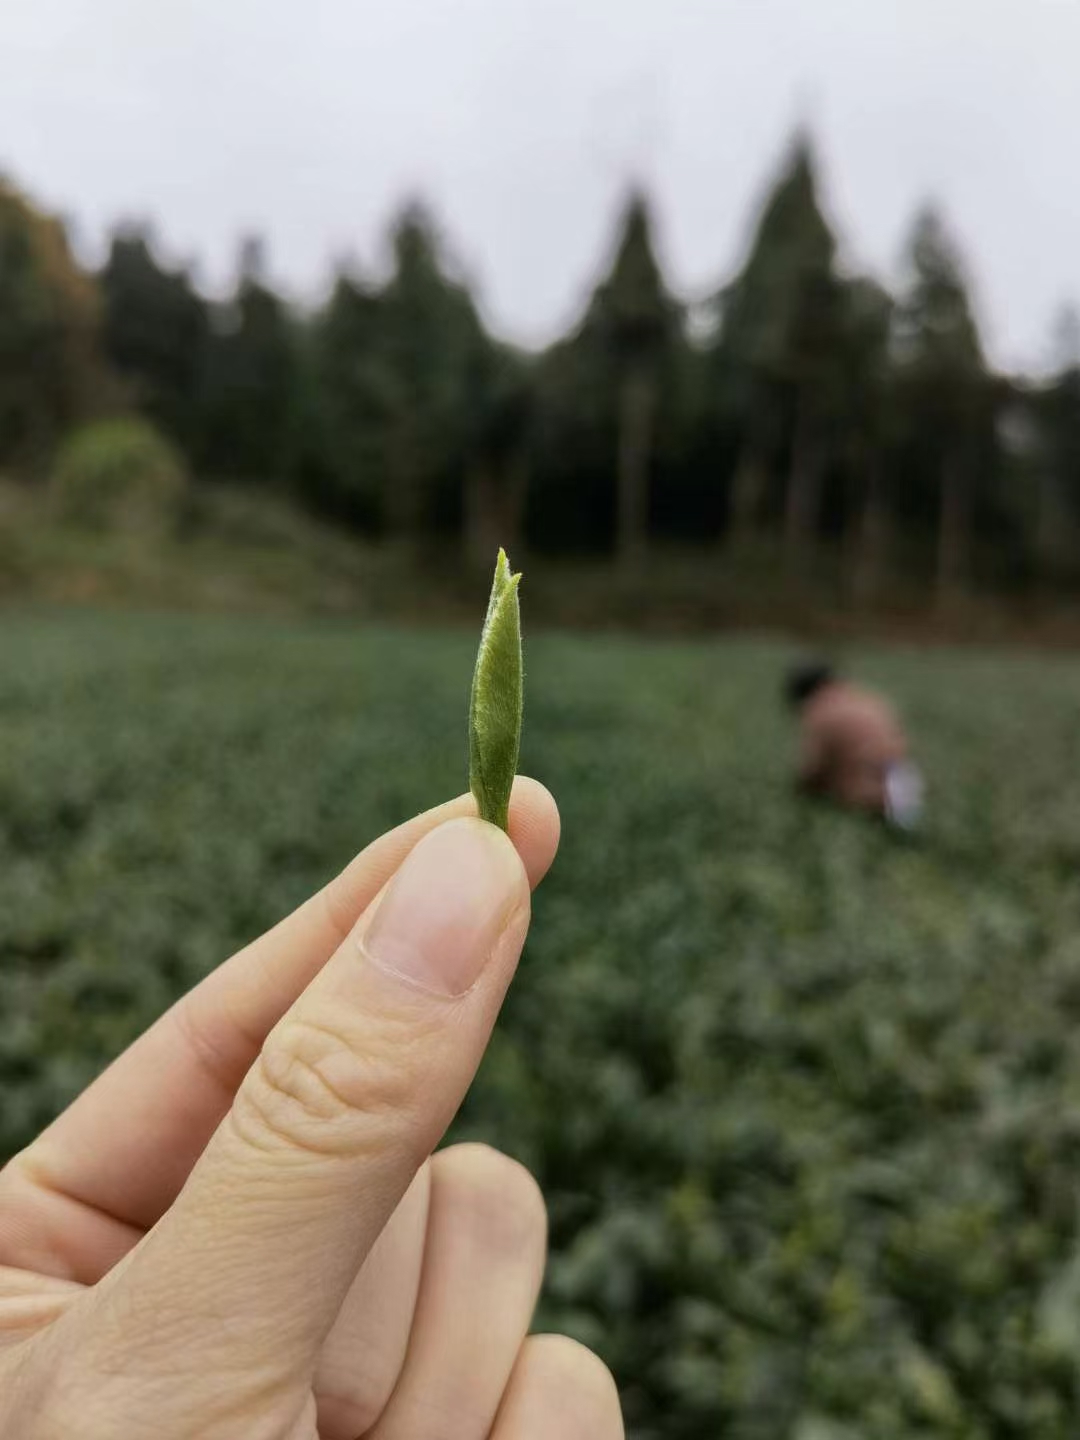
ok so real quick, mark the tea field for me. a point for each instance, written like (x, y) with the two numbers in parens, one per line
(804, 1099)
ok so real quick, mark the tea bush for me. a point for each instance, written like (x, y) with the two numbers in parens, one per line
(804, 1099)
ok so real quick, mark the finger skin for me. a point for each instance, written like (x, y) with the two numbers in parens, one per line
(559, 1391)
(364, 1352)
(487, 1239)
(349, 1097)
(79, 1198)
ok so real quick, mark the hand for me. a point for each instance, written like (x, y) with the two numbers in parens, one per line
(237, 1232)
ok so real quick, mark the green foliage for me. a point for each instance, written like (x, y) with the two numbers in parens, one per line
(119, 475)
(251, 390)
(1050, 434)
(802, 1098)
(429, 336)
(495, 705)
(945, 399)
(938, 354)
(778, 358)
(937, 339)
(393, 369)
(49, 363)
(866, 381)
(637, 323)
(632, 307)
(779, 306)
(501, 404)
(608, 396)
(156, 328)
(339, 405)
(802, 412)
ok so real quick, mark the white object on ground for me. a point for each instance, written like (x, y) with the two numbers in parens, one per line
(904, 792)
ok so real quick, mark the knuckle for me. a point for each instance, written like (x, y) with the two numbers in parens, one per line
(494, 1195)
(317, 1088)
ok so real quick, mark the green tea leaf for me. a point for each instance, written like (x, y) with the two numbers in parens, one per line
(496, 703)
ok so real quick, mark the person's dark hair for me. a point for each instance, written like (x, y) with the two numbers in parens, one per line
(805, 680)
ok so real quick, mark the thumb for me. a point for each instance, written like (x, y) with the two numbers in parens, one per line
(352, 1091)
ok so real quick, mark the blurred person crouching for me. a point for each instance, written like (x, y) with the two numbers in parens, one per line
(852, 747)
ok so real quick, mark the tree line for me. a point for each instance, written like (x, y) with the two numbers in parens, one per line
(803, 411)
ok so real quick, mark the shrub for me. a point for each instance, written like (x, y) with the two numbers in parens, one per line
(119, 474)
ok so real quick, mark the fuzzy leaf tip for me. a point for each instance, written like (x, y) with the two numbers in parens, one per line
(495, 706)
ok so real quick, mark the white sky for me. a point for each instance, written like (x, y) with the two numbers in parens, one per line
(521, 120)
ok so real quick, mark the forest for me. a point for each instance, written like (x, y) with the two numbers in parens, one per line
(803, 413)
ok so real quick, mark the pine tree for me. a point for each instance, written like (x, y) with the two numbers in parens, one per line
(943, 388)
(636, 321)
(156, 328)
(1054, 410)
(392, 381)
(251, 382)
(501, 405)
(867, 414)
(428, 337)
(576, 435)
(776, 356)
(341, 415)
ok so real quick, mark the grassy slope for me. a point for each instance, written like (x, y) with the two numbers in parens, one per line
(254, 553)
(805, 1101)
(233, 552)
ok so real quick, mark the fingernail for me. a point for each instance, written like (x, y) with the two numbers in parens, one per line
(446, 908)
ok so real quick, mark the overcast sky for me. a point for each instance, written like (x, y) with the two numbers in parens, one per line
(521, 120)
